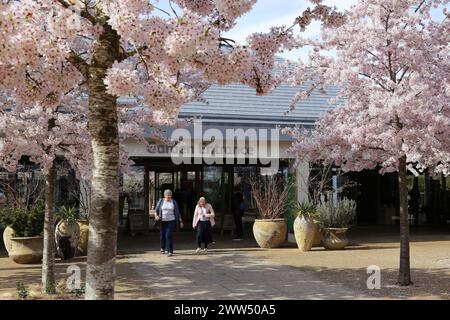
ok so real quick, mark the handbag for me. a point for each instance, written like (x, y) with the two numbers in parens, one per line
(157, 223)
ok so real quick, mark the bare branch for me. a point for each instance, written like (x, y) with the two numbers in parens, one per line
(378, 58)
(128, 54)
(84, 14)
(403, 74)
(376, 81)
(271, 195)
(173, 10)
(79, 63)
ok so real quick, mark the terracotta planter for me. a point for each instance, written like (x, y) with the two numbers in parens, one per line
(26, 249)
(8, 233)
(270, 233)
(335, 238)
(305, 230)
(84, 236)
(67, 237)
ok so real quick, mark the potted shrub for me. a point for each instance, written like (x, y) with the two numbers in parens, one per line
(5, 223)
(336, 217)
(306, 226)
(271, 198)
(23, 233)
(67, 232)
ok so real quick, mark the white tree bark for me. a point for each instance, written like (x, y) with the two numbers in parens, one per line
(103, 127)
(404, 276)
(48, 258)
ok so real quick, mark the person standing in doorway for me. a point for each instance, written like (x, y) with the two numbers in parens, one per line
(237, 208)
(203, 221)
(168, 213)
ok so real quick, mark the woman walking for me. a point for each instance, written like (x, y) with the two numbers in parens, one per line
(203, 221)
(168, 213)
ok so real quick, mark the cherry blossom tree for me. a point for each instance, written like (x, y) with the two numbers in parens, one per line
(43, 134)
(133, 48)
(391, 65)
(123, 48)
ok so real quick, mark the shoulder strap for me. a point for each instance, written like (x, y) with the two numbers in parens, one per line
(158, 205)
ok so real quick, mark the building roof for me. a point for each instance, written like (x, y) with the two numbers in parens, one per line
(239, 103)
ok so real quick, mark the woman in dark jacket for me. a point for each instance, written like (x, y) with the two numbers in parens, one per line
(168, 213)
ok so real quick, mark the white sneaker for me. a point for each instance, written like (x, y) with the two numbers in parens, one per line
(205, 250)
(170, 254)
(198, 250)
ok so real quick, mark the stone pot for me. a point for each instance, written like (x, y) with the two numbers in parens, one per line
(84, 236)
(26, 249)
(67, 236)
(305, 230)
(8, 233)
(317, 242)
(270, 233)
(335, 238)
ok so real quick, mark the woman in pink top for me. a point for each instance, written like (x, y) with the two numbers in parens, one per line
(203, 221)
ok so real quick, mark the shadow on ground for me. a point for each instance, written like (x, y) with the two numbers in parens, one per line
(236, 270)
(231, 276)
(427, 283)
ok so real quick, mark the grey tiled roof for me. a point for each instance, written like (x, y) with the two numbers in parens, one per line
(240, 103)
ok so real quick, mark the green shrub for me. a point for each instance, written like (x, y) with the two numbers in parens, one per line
(68, 214)
(5, 217)
(22, 290)
(24, 222)
(307, 210)
(291, 210)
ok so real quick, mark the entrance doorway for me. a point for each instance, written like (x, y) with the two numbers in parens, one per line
(185, 186)
(148, 180)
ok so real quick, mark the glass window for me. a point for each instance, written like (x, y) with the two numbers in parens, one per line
(165, 181)
(213, 187)
(243, 177)
(133, 188)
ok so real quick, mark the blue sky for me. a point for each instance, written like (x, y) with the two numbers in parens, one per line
(267, 13)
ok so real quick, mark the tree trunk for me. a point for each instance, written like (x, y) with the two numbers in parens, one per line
(103, 127)
(404, 277)
(48, 258)
(444, 198)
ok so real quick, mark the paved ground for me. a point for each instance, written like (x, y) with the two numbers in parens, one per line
(229, 275)
(430, 263)
(240, 270)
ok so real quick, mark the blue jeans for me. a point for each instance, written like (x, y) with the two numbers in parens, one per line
(166, 235)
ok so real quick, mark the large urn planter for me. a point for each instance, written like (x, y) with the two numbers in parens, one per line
(335, 238)
(84, 236)
(317, 242)
(270, 233)
(8, 233)
(305, 230)
(67, 236)
(26, 250)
